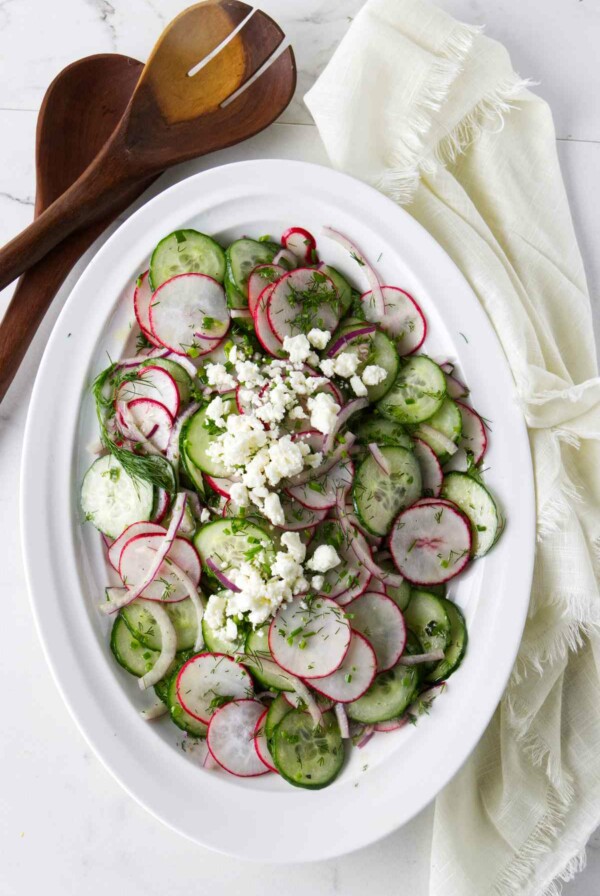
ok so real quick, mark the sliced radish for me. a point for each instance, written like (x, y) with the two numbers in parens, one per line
(151, 382)
(264, 333)
(230, 738)
(372, 278)
(137, 556)
(163, 503)
(402, 318)
(261, 276)
(219, 485)
(206, 680)
(454, 388)
(392, 724)
(431, 471)
(300, 243)
(142, 298)
(431, 542)
(377, 617)
(320, 494)
(152, 419)
(473, 440)
(114, 551)
(261, 745)
(309, 641)
(297, 517)
(186, 308)
(301, 289)
(354, 676)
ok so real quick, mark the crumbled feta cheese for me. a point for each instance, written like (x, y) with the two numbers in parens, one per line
(204, 515)
(326, 366)
(297, 347)
(373, 375)
(324, 559)
(293, 543)
(285, 459)
(230, 632)
(238, 494)
(214, 613)
(323, 412)
(358, 387)
(273, 510)
(346, 364)
(314, 460)
(217, 376)
(319, 338)
(297, 413)
(313, 359)
(215, 411)
(249, 373)
(317, 582)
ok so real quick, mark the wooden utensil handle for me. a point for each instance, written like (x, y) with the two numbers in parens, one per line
(95, 194)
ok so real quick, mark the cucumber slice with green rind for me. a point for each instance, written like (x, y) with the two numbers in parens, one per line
(277, 710)
(216, 644)
(179, 716)
(426, 616)
(476, 502)
(372, 349)
(382, 432)
(305, 754)
(257, 649)
(142, 625)
(228, 541)
(129, 652)
(112, 500)
(186, 252)
(242, 257)
(379, 496)
(457, 647)
(388, 697)
(181, 376)
(197, 435)
(417, 394)
(341, 284)
(401, 594)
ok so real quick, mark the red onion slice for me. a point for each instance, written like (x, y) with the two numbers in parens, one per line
(367, 735)
(370, 274)
(352, 407)
(168, 648)
(173, 453)
(241, 313)
(379, 458)
(433, 657)
(225, 582)
(364, 330)
(342, 720)
(430, 431)
(360, 547)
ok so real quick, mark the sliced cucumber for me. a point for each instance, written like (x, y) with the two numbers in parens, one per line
(235, 299)
(305, 754)
(373, 349)
(379, 496)
(161, 688)
(196, 436)
(457, 647)
(142, 625)
(388, 697)
(257, 649)
(216, 644)
(242, 257)
(277, 710)
(426, 616)
(448, 421)
(382, 432)
(341, 284)
(179, 715)
(186, 252)
(228, 541)
(417, 394)
(479, 507)
(129, 652)
(181, 376)
(112, 500)
(401, 594)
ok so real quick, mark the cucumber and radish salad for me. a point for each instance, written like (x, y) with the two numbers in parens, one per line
(284, 482)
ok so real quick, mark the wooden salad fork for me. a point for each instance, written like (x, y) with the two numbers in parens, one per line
(213, 79)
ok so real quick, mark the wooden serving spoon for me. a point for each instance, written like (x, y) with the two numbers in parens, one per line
(187, 103)
(81, 109)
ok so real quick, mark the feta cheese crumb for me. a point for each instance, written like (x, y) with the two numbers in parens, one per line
(239, 494)
(324, 559)
(346, 364)
(319, 338)
(215, 411)
(297, 347)
(326, 366)
(297, 413)
(358, 387)
(373, 375)
(217, 376)
(293, 543)
(323, 412)
(273, 510)
(317, 582)
(205, 515)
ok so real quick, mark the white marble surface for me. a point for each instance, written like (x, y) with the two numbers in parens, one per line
(65, 825)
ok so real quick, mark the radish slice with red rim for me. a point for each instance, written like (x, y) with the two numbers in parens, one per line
(260, 277)
(261, 744)
(392, 724)
(402, 319)
(219, 484)
(114, 551)
(354, 676)
(138, 554)
(431, 471)
(320, 493)
(142, 297)
(152, 419)
(187, 308)
(151, 382)
(163, 503)
(431, 542)
(207, 680)
(473, 440)
(309, 638)
(301, 300)
(379, 620)
(230, 738)
(360, 259)
(264, 332)
(297, 517)
(300, 243)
